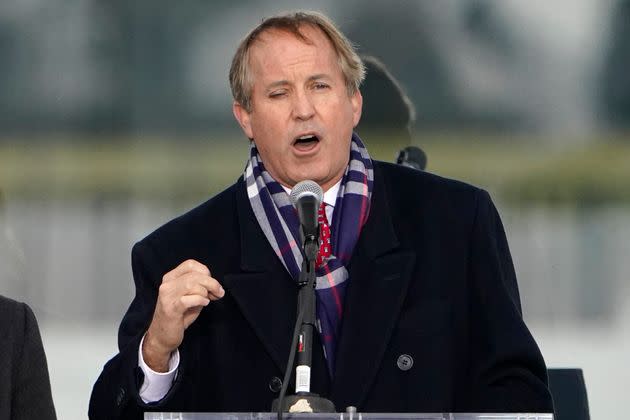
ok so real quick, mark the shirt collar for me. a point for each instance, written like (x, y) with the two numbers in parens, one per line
(330, 196)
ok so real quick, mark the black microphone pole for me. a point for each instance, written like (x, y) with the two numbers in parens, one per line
(306, 303)
(304, 401)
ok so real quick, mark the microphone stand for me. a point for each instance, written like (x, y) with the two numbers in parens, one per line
(303, 401)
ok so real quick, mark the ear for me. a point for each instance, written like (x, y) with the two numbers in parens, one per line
(357, 106)
(244, 119)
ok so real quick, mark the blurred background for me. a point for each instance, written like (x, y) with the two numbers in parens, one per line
(115, 117)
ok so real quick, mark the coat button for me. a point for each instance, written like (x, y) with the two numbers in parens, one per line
(404, 362)
(275, 384)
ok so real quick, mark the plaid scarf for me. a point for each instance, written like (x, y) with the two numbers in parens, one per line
(279, 221)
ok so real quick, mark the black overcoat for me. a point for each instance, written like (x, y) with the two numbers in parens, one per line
(431, 278)
(24, 383)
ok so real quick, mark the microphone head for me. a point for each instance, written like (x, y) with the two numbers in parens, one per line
(306, 188)
(306, 197)
(412, 157)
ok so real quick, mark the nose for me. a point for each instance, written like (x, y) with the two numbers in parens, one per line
(303, 108)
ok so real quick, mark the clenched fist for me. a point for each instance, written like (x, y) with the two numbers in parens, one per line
(184, 291)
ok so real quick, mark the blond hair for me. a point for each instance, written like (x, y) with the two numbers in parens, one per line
(351, 65)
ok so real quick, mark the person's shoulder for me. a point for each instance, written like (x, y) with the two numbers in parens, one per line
(10, 307)
(411, 183)
(14, 315)
(415, 197)
(216, 212)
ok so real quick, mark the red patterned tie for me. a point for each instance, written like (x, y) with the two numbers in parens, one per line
(324, 236)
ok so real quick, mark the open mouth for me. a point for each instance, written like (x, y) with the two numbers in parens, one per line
(306, 142)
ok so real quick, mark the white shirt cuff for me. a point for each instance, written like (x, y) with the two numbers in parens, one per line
(157, 384)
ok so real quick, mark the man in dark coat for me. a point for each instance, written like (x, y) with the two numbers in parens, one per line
(24, 383)
(417, 305)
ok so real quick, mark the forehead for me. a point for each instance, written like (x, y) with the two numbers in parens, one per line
(280, 50)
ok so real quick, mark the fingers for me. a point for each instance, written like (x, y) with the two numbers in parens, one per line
(188, 266)
(188, 287)
(213, 287)
(191, 315)
(188, 276)
(184, 291)
(193, 283)
(193, 301)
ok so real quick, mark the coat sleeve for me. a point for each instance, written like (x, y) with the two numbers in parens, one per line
(506, 368)
(115, 394)
(32, 397)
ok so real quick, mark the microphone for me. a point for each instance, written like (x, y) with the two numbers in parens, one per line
(306, 197)
(412, 157)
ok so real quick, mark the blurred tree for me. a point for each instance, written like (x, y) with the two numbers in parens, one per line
(482, 23)
(402, 37)
(615, 81)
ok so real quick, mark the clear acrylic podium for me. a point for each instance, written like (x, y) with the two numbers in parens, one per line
(349, 416)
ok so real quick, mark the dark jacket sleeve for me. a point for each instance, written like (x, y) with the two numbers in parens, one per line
(507, 370)
(31, 395)
(115, 394)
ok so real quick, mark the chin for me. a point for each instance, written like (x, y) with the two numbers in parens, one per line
(310, 175)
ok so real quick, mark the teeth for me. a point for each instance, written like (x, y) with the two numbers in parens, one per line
(307, 136)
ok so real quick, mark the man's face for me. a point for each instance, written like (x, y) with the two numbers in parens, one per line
(301, 117)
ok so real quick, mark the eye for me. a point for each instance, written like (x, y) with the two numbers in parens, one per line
(277, 94)
(320, 86)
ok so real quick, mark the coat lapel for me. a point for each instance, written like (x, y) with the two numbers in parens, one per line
(264, 291)
(379, 275)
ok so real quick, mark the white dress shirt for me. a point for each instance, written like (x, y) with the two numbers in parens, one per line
(156, 384)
